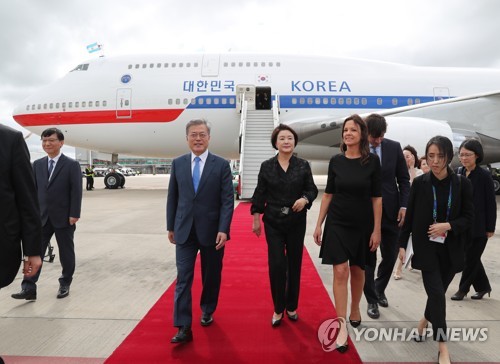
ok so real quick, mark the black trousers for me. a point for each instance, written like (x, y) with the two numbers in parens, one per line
(285, 245)
(211, 273)
(436, 283)
(90, 183)
(389, 249)
(474, 273)
(66, 250)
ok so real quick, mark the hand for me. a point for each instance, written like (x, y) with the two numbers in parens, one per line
(375, 239)
(490, 234)
(402, 254)
(401, 216)
(31, 265)
(256, 229)
(317, 235)
(299, 205)
(438, 229)
(171, 237)
(220, 241)
(73, 220)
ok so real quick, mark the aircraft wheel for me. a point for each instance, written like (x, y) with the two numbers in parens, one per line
(122, 181)
(113, 181)
(496, 185)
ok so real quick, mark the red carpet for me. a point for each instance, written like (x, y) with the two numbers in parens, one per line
(241, 332)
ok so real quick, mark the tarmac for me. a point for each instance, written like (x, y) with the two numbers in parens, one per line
(125, 263)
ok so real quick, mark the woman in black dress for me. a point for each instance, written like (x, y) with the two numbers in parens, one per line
(285, 191)
(352, 206)
(439, 214)
(485, 218)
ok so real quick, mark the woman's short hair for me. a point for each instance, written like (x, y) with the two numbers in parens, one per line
(444, 145)
(475, 146)
(276, 131)
(413, 151)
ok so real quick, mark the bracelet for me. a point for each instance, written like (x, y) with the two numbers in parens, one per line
(305, 198)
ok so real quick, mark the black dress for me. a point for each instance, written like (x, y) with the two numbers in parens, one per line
(349, 221)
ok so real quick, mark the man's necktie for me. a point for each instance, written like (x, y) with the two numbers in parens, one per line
(374, 151)
(51, 167)
(196, 173)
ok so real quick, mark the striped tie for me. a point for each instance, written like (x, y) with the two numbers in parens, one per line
(196, 173)
(51, 167)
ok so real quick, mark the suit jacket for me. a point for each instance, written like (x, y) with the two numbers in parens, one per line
(19, 213)
(210, 209)
(395, 179)
(61, 197)
(419, 218)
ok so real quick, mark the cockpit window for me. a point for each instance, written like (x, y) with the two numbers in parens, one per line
(81, 67)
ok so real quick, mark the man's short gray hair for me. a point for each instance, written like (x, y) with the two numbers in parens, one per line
(198, 122)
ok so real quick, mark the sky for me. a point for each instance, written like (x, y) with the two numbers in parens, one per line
(40, 41)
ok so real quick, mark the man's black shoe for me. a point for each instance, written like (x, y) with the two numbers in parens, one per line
(25, 295)
(184, 335)
(382, 300)
(63, 292)
(372, 311)
(206, 319)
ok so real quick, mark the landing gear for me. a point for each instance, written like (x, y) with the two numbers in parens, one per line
(114, 180)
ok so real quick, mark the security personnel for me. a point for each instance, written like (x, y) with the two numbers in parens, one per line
(89, 174)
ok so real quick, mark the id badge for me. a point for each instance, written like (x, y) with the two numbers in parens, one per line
(439, 239)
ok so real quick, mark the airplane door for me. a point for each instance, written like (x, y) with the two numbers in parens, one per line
(247, 93)
(210, 65)
(263, 98)
(441, 93)
(123, 103)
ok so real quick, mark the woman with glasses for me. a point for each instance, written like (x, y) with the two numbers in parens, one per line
(485, 217)
(438, 216)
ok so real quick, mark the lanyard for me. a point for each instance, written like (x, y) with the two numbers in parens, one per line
(448, 207)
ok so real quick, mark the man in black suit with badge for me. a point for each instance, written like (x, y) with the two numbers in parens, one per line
(59, 186)
(395, 192)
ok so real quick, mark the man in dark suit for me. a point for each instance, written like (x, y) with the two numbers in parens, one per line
(20, 226)
(59, 185)
(199, 211)
(395, 192)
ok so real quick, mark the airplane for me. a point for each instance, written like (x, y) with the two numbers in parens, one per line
(139, 105)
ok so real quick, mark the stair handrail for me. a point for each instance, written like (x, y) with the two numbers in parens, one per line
(276, 110)
(243, 125)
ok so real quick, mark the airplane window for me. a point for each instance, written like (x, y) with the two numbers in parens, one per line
(193, 101)
(248, 64)
(309, 101)
(45, 106)
(270, 64)
(348, 101)
(137, 66)
(278, 64)
(70, 104)
(185, 101)
(188, 64)
(341, 101)
(196, 64)
(104, 103)
(333, 101)
(394, 101)
(356, 101)
(84, 104)
(209, 101)
(77, 104)
(39, 107)
(200, 101)
(417, 101)
(181, 64)
(173, 65)
(63, 105)
(224, 101)
(225, 64)
(325, 100)
(129, 66)
(256, 64)
(294, 101)
(232, 101)
(170, 101)
(177, 101)
(302, 101)
(33, 107)
(158, 65)
(379, 101)
(27, 108)
(364, 101)
(127, 103)
(151, 65)
(57, 105)
(166, 65)
(85, 66)
(410, 102)
(144, 65)
(51, 106)
(233, 64)
(317, 101)
(263, 64)
(216, 101)
(240, 64)
(91, 103)
(97, 103)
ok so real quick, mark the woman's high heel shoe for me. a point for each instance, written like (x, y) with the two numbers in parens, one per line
(480, 295)
(293, 317)
(277, 322)
(342, 348)
(355, 323)
(459, 296)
